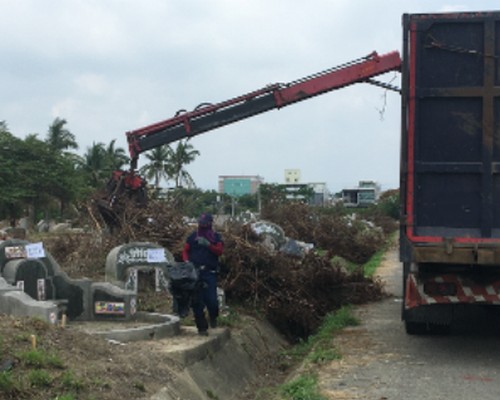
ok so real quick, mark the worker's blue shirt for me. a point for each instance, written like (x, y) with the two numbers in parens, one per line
(201, 255)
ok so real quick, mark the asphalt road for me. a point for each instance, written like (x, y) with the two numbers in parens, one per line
(380, 361)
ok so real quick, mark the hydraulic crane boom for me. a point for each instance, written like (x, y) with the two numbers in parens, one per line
(129, 185)
(211, 116)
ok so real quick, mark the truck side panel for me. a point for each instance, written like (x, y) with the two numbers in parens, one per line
(450, 164)
(452, 133)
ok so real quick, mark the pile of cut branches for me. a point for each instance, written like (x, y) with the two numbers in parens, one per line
(294, 293)
(349, 236)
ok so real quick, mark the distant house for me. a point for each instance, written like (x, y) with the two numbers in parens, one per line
(292, 176)
(293, 187)
(367, 193)
(239, 185)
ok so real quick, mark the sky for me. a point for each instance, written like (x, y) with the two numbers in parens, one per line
(111, 66)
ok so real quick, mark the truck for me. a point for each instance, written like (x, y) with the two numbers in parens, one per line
(450, 166)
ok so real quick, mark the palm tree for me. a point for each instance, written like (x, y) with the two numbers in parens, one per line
(183, 155)
(116, 156)
(95, 162)
(3, 126)
(157, 167)
(59, 138)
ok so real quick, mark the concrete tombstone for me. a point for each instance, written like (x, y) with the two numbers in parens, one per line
(125, 262)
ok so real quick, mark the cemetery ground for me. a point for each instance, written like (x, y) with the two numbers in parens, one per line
(292, 295)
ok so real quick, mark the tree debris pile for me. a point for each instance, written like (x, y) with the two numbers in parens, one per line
(158, 221)
(81, 255)
(294, 293)
(346, 235)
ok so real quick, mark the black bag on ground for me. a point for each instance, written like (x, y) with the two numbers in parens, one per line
(183, 283)
(183, 276)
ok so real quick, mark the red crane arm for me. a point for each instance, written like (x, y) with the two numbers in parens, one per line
(212, 116)
(337, 78)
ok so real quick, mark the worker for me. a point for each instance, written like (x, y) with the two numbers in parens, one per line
(203, 248)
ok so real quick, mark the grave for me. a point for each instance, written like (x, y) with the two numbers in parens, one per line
(33, 284)
(137, 264)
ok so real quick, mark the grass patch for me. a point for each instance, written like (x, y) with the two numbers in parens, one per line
(22, 337)
(374, 262)
(54, 361)
(40, 378)
(322, 349)
(40, 359)
(34, 358)
(7, 384)
(212, 395)
(318, 347)
(345, 264)
(229, 318)
(139, 386)
(101, 383)
(70, 382)
(302, 388)
(65, 397)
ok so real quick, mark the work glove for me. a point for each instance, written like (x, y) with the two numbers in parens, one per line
(203, 241)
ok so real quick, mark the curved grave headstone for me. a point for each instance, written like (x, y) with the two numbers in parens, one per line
(125, 264)
(31, 276)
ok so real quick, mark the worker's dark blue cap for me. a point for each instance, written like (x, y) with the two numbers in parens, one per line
(205, 219)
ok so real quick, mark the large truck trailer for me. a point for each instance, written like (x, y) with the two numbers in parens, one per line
(450, 166)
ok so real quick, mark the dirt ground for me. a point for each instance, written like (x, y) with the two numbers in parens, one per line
(89, 367)
(342, 379)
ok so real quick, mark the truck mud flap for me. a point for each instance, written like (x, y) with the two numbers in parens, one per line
(432, 319)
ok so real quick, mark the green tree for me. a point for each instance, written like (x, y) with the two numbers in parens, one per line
(34, 177)
(272, 193)
(95, 164)
(193, 202)
(53, 176)
(13, 193)
(157, 166)
(248, 202)
(116, 156)
(99, 161)
(389, 203)
(59, 138)
(179, 157)
(3, 127)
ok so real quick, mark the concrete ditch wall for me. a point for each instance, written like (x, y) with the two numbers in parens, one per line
(222, 366)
